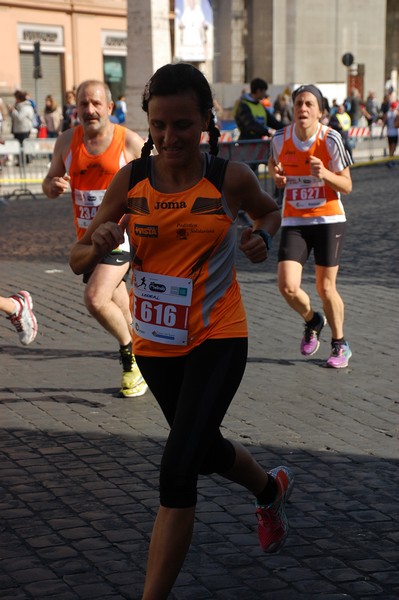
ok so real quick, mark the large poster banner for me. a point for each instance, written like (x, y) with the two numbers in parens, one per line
(193, 30)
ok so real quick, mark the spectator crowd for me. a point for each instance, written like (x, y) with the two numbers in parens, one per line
(256, 116)
(25, 119)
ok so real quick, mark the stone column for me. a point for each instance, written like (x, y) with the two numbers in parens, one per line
(149, 47)
(229, 21)
(237, 47)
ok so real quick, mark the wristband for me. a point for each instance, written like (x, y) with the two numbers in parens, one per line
(266, 237)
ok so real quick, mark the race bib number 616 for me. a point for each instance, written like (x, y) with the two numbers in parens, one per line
(161, 307)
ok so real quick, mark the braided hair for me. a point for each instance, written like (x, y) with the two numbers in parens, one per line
(180, 77)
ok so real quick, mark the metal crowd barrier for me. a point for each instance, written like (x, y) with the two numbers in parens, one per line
(23, 168)
(248, 151)
(10, 169)
(253, 152)
(367, 142)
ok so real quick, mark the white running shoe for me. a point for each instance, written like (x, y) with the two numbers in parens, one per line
(23, 319)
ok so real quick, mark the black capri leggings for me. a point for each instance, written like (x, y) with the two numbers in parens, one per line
(194, 392)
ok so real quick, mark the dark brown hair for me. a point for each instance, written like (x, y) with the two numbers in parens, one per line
(173, 79)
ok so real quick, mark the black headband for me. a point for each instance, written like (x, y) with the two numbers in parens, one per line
(312, 89)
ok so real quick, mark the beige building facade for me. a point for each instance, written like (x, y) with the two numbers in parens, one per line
(79, 39)
(124, 41)
(287, 42)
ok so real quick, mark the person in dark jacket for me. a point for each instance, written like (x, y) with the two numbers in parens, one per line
(341, 122)
(69, 111)
(253, 120)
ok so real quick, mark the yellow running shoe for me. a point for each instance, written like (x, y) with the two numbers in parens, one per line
(133, 392)
(133, 384)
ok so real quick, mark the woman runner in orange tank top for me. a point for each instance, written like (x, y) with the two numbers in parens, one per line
(310, 163)
(189, 326)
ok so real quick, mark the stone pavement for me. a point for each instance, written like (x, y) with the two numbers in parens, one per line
(79, 466)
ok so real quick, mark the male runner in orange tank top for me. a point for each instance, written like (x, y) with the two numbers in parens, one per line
(85, 159)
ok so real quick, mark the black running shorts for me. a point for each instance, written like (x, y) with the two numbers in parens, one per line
(297, 242)
(116, 258)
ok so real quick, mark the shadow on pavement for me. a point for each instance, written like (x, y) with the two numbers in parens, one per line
(77, 508)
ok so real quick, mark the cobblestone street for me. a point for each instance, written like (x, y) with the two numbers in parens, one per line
(79, 466)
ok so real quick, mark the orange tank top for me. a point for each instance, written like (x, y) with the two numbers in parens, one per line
(184, 281)
(306, 196)
(91, 174)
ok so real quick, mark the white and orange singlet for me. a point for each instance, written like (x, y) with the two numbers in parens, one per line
(307, 199)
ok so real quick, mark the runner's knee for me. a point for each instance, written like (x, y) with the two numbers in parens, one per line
(177, 489)
(93, 301)
(218, 459)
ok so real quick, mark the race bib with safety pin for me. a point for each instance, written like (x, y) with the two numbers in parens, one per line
(161, 307)
(87, 202)
(305, 192)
